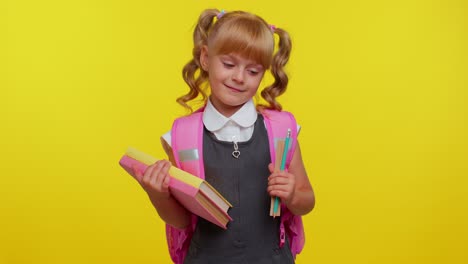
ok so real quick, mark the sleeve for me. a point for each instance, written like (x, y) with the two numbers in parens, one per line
(167, 137)
(166, 144)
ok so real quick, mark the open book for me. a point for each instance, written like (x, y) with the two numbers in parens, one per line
(195, 194)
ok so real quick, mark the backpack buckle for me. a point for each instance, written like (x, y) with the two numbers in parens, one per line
(282, 235)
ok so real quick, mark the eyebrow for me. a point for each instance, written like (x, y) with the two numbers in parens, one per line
(238, 58)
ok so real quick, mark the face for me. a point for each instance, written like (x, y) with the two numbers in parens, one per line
(233, 79)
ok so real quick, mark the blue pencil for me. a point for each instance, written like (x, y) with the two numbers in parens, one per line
(283, 164)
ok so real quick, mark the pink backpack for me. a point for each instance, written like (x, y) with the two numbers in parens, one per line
(187, 144)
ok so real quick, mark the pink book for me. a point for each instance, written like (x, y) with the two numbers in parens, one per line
(195, 194)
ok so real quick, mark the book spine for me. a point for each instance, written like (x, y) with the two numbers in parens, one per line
(130, 165)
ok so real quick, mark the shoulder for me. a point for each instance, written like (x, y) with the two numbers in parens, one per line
(283, 118)
(183, 124)
(269, 113)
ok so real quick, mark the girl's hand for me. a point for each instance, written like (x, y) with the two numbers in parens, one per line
(155, 180)
(281, 184)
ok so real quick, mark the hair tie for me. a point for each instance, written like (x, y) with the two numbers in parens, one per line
(220, 14)
(272, 28)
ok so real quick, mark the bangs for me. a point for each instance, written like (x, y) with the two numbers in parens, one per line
(245, 37)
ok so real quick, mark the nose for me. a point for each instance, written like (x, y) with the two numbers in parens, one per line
(238, 75)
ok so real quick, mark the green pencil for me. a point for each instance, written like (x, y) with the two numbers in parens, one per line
(283, 164)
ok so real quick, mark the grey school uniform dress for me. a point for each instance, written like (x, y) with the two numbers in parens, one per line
(253, 235)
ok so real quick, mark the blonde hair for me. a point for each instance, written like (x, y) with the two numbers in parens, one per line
(241, 33)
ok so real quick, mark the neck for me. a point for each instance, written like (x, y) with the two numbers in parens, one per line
(226, 110)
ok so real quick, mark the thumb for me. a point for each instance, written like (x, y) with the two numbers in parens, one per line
(137, 173)
(166, 182)
(271, 167)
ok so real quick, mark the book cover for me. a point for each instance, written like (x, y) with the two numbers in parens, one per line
(195, 194)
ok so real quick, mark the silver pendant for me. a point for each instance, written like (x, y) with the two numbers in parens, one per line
(236, 152)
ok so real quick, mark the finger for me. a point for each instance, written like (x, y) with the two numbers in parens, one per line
(277, 173)
(157, 174)
(283, 195)
(147, 174)
(271, 167)
(167, 177)
(274, 175)
(161, 174)
(273, 190)
(285, 188)
(166, 182)
(136, 172)
(279, 179)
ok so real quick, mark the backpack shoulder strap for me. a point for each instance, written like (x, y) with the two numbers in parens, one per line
(187, 144)
(277, 123)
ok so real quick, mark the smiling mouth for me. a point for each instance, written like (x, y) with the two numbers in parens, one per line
(233, 88)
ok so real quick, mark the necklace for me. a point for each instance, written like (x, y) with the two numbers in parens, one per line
(236, 152)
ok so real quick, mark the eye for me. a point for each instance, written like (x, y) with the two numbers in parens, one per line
(228, 64)
(253, 72)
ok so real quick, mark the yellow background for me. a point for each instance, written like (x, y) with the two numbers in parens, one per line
(379, 87)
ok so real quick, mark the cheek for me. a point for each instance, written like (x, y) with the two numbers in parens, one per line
(217, 75)
(255, 82)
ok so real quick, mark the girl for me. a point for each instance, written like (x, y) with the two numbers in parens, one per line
(232, 51)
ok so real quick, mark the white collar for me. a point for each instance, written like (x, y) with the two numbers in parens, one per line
(244, 117)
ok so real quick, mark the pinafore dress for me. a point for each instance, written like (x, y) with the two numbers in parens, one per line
(253, 235)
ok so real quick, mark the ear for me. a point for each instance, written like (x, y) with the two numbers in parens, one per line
(204, 58)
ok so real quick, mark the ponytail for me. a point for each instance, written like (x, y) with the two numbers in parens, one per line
(192, 72)
(280, 59)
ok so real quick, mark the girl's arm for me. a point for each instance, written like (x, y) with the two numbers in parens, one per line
(293, 186)
(155, 181)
